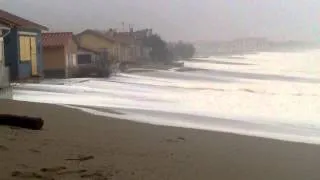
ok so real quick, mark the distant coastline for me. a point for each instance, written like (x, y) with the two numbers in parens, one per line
(250, 46)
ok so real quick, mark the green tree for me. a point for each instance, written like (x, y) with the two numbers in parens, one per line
(183, 50)
(159, 48)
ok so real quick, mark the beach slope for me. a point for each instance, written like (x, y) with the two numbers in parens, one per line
(77, 145)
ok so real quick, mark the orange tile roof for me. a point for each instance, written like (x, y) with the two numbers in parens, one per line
(56, 39)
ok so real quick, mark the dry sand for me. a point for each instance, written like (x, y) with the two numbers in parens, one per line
(119, 149)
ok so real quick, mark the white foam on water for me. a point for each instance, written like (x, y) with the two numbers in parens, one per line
(180, 122)
(281, 89)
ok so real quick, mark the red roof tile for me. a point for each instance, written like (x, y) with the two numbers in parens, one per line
(56, 39)
(13, 20)
(97, 33)
(141, 33)
(124, 38)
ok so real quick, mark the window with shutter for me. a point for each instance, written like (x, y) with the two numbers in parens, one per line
(25, 48)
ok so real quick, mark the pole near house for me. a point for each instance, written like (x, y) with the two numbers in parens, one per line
(5, 86)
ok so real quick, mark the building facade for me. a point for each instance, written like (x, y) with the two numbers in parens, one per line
(97, 41)
(59, 54)
(22, 46)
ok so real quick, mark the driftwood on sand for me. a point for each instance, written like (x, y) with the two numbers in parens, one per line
(32, 123)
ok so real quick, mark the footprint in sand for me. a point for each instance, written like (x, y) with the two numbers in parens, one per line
(81, 171)
(80, 158)
(181, 138)
(53, 169)
(176, 140)
(11, 139)
(49, 173)
(34, 151)
(4, 148)
(22, 166)
(96, 175)
(26, 175)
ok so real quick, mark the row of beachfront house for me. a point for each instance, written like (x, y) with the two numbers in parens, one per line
(91, 51)
(28, 50)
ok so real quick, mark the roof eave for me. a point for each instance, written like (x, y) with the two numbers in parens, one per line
(41, 28)
(12, 24)
(89, 31)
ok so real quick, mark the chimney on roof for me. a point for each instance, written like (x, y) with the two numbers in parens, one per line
(111, 32)
(149, 32)
(131, 31)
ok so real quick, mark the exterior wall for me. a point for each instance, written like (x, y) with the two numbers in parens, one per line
(85, 70)
(21, 69)
(123, 54)
(132, 53)
(72, 48)
(138, 51)
(116, 52)
(126, 53)
(11, 52)
(54, 58)
(92, 42)
(25, 68)
(71, 58)
(100, 44)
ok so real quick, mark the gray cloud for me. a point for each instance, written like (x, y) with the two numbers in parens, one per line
(181, 19)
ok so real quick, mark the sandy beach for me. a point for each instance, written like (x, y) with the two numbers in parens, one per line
(77, 145)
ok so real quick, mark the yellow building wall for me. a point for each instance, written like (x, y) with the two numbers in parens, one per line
(72, 47)
(93, 42)
(117, 51)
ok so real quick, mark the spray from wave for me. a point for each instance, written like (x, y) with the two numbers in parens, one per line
(274, 95)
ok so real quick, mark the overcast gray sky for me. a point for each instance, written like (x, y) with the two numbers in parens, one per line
(181, 19)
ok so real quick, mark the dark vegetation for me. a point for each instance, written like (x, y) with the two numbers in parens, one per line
(182, 50)
(168, 52)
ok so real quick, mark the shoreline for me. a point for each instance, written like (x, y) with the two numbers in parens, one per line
(131, 150)
(263, 129)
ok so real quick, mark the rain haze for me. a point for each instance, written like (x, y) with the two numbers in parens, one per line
(197, 89)
(180, 19)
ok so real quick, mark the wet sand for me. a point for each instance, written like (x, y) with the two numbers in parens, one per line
(77, 145)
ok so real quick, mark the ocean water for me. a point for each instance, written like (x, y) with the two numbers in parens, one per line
(268, 94)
